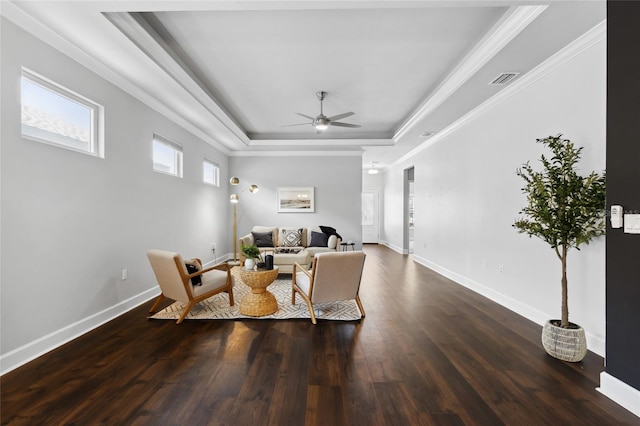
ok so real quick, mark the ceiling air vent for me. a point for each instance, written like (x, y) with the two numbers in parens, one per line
(504, 78)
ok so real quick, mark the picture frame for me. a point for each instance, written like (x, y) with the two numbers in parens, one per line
(296, 199)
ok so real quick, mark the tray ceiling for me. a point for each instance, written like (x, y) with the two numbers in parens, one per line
(235, 73)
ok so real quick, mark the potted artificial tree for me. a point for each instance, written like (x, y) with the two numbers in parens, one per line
(252, 254)
(565, 210)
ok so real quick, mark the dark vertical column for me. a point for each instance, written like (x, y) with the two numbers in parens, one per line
(623, 188)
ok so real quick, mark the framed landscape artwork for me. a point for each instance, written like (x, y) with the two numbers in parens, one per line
(296, 200)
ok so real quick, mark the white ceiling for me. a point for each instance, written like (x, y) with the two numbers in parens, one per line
(235, 72)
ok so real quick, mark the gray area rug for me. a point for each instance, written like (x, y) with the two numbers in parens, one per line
(217, 307)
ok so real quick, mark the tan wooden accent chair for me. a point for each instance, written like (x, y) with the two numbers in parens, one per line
(333, 277)
(175, 281)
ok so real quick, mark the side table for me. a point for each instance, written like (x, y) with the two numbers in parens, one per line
(260, 301)
(345, 246)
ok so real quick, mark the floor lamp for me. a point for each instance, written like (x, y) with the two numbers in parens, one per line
(234, 198)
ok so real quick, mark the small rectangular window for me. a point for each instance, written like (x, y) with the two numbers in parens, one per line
(167, 156)
(55, 115)
(210, 172)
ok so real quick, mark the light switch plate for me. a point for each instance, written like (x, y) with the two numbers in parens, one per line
(632, 223)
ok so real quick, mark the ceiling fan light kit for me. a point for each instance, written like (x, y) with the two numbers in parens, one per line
(322, 122)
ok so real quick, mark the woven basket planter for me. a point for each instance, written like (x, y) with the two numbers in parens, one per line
(566, 344)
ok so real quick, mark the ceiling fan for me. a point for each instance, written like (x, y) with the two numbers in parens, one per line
(322, 122)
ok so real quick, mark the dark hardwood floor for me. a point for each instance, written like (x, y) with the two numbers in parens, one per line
(429, 352)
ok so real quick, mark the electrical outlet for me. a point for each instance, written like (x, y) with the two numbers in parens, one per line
(213, 247)
(500, 269)
(124, 274)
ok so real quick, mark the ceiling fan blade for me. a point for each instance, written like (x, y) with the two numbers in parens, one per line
(299, 124)
(340, 116)
(305, 116)
(335, 123)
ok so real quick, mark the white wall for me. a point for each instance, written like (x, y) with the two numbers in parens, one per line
(337, 181)
(467, 194)
(72, 222)
(372, 181)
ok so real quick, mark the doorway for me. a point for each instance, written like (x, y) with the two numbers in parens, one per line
(409, 211)
(370, 215)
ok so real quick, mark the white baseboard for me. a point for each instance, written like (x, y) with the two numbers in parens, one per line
(620, 392)
(32, 350)
(212, 262)
(397, 249)
(594, 344)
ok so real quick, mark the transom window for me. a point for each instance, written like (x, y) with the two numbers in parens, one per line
(210, 172)
(167, 156)
(55, 115)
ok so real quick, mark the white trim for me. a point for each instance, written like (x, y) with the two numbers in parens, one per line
(584, 42)
(620, 393)
(32, 350)
(216, 172)
(296, 154)
(392, 247)
(594, 343)
(514, 21)
(341, 142)
(96, 142)
(151, 44)
(43, 32)
(177, 155)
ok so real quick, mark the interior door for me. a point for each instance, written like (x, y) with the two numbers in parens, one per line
(370, 215)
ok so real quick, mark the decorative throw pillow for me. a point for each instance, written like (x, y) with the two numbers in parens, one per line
(263, 239)
(192, 267)
(330, 231)
(318, 239)
(291, 237)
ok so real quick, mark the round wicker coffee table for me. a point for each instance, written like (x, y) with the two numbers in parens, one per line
(260, 301)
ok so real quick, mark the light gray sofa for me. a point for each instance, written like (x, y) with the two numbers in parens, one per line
(310, 242)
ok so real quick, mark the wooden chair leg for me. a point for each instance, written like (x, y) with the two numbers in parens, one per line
(306, 299)
(157, 303)
(310, 306)
(230, 292)
(359, 302)
(293, 286)
(186, 311)
(313, 315)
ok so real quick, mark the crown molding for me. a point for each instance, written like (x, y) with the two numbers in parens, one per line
(16, 13)
(512, 23)
(296, 154)
(573, 49)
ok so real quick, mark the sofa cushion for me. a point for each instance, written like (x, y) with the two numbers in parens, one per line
(263, 239)
(319, 239)
(212, 280)
(315, 250)
(301, 257)
(290, 237)
(333, 242)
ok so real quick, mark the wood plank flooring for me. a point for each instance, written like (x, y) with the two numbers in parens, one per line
(429, 352)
